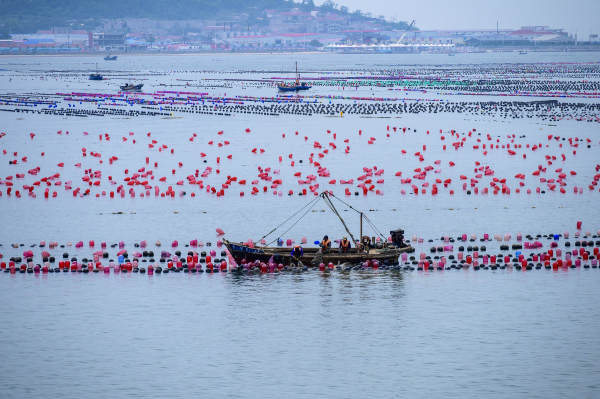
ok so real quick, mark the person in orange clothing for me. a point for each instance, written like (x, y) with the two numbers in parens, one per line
(325, 245)
(345, 245)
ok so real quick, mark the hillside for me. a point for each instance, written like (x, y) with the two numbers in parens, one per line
(27, 16)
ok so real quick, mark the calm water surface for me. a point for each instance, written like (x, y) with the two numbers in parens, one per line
(468, 334)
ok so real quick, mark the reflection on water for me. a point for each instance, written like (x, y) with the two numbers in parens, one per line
(465, 334)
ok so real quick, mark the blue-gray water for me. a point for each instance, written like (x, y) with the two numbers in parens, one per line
(440, 334)
(444, 334)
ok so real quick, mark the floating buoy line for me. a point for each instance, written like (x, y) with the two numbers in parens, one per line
(585, 254)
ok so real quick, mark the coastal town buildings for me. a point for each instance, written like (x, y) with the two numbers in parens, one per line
(294, 29)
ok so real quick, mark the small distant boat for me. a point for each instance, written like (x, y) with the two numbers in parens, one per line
(297, 86)
(451, 54)
(109, 58)
(523, 52)
(96, 76)
(130, 87)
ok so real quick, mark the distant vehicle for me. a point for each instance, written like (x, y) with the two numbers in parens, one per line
(297, 86)
(109, 58)
(130, 87)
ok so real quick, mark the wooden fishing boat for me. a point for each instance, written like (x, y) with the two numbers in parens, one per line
(96, 76)
(297, 86)
(109, 58)
(130, 87)
(382, 251)
(313, 256)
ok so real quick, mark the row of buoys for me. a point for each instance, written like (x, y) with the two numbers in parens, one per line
(256, 267)
(552, 111)
(193, 256)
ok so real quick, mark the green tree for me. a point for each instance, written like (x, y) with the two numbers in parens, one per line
(329, 5)
(307, 5)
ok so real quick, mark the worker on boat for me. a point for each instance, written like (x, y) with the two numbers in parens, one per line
(297, 253)
(345, 245)
(325, 245)
(366, 244)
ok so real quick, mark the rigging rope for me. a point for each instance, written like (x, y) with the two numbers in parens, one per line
(332, 207)
(269, 233)
(325, 196)
(296, 221)
(366, 218)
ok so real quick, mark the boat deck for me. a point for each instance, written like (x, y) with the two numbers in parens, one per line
(241, 251)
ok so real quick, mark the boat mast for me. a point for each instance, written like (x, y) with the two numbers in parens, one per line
(325, 196)
(361, 216)
(297, 76)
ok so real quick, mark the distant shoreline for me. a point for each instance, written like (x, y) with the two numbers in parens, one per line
(311, 52)
(149, 54)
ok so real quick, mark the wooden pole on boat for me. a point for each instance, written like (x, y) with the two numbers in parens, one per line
(360, 239)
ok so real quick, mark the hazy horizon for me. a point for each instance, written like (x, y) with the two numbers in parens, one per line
(577, 17)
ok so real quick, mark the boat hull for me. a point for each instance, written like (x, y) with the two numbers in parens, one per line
(239, 251)
(132, 88)
(295, 88)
